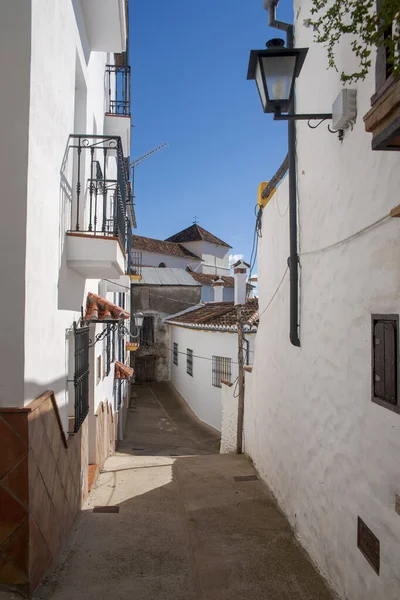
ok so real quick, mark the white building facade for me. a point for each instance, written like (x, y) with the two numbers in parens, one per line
(315, 423)
(204, 351)
(64, 233)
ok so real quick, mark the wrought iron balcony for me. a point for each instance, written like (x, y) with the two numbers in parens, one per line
(98, 206)
(135, 265)
(101, 186)
(118, 82)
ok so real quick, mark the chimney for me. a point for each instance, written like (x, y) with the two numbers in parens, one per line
(240, 274)
(218, 287)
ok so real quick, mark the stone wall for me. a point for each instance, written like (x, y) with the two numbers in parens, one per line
(161, 302)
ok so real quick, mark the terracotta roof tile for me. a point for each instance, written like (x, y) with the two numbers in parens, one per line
(195, 233)
(218, 315)
(122, 371)
(140, 242)
(100, 309)
(207, 279)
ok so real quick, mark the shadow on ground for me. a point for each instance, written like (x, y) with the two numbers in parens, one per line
(185, 527)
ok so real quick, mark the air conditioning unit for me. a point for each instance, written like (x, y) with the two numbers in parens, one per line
(344, 109)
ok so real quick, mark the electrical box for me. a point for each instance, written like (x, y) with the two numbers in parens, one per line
(344, 109)
(260, 200)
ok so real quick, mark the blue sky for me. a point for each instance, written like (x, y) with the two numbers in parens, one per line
(189, 89)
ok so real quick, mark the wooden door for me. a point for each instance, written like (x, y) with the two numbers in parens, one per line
(145, 369)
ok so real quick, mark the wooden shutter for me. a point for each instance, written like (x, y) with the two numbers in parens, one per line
(384, 376)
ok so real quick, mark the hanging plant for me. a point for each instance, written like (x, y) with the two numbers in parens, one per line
(368, 25)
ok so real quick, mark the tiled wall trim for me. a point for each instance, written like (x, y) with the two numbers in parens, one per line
(43, 481)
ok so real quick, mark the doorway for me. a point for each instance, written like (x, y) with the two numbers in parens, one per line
(145, 369)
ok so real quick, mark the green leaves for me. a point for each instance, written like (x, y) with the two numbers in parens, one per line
(367, 28)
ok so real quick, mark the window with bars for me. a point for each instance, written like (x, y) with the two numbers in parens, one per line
(175, 354)
(221, 369)
(113, 345)
(81, 375)
(108, 353)
(189, 362)
(121, 347)
(384, 361)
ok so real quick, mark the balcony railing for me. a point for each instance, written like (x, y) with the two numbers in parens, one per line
(135, 262)
(101, 187)
(118, 82)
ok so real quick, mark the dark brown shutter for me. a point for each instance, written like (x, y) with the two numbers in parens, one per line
(379, 363)
(390, 363)
(385, 333)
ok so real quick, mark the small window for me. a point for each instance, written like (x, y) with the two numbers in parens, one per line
(221, 369)
(147, 332)
(175, 354)
(162, 265)
(384, 361)
(189, 362)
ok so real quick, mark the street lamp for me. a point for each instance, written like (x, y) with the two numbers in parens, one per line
(138, 318)
(275, 71)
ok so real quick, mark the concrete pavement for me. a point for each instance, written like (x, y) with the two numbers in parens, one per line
(185, 529)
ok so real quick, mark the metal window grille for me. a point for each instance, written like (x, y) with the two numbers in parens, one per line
(118, 82)
(81, 375)
(221, 369)
(113, 345)
(189, 362)
(147, 332)
(175, 354)
(121, 347)
(108, 353)
(136, 263)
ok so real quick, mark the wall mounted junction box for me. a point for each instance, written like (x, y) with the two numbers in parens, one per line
(344, 109)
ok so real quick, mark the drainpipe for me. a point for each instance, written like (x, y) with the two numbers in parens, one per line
(293, 260)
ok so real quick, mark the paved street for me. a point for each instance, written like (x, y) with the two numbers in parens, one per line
(186, 528)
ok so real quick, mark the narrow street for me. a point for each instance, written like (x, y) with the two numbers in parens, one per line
(189, 524)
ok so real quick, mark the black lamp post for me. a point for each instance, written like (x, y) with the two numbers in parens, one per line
(275, 71)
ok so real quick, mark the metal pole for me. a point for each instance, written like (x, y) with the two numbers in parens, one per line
(293, 258)
(293, 261)
(240, 418)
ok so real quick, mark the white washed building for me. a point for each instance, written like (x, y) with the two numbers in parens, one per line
(195, 249)
(322, 420)
(65, 234)
(204, 351)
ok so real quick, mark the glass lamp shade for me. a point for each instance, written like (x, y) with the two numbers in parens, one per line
(138, 317)
(274, 71)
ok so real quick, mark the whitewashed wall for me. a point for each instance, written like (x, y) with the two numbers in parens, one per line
(56, 51)
(40, 104)
(153, 259)
(203, 398)
(14, 17)
(329, 453)
(215, 257)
